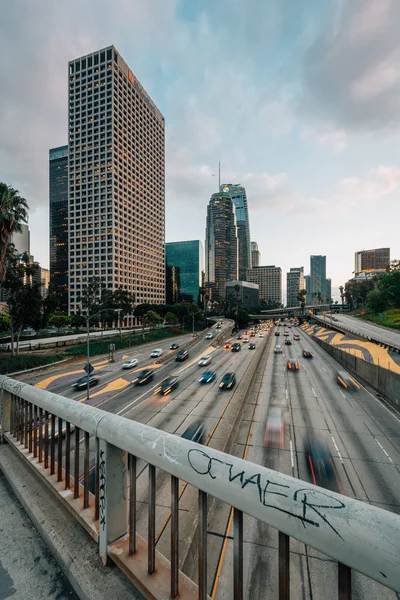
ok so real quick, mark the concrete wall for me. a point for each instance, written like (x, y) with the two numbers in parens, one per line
(382, 380)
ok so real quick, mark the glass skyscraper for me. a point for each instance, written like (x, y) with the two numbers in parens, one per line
(58, 196)
(188, 258)
(221, 264)
(239, 198)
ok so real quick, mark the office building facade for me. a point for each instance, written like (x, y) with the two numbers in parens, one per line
(58, 223)
(317, 286)
(269, 280)
(372, 260)
(116, 184)
(255, 255)
(188, 257)
(21, 240)
(221, 252)
(294, 283)
(238, 195)
(172, 284)
(244, 292)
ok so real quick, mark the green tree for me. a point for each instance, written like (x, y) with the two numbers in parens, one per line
(13, 212)
(90, 298)
(60, 321)
(376, 301)
(4, 322)
(301, 297)
(151, 319)
(171, 318)
(141, 310)
(243, 318)
(78, 321)
(389, 287)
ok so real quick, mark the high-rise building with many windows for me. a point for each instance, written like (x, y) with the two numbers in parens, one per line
(188, 257)
(116, 180)
(238, 194)
(58, 217)
(372, 260)
(255, 255)
(294, 283)
(318, 288)
(269, 280)
(221, 252)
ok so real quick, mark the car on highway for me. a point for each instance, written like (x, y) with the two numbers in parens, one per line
(245, 340)
(129, 363)
(196, 432)
(209, 336)
(174, 347)
(207, 377)
(166, 386)
(156, 353)
(218, 326)
(288, 342)
(346, 381)
(82, 383)
(286, 333)
(228, 381)
(296, 337)
(236, 348)
(275, 428)
(239, 337)
(228, 346)
(182, 355)
(292, 365)
(278, 350)
(204, 361)
(320, 464)
(252, 334)
(308, 354)
(260, 335)
(252, 346)
(144, 377)
(277, 333)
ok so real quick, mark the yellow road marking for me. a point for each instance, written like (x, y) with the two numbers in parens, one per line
(113, 386)
(42, 385)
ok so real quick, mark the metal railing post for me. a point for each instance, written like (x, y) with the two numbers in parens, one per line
(202, 545)
(237, 554)
(344, 582)
(5, 411)
(113, 475)
(284, 566)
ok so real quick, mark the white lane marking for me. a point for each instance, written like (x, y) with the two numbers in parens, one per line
(324, 369)
(380, 403)
(382, 448)
(337, 449)
(342, 393)
(291, 453)
(287, 394)
(313, 391)
(126, 408)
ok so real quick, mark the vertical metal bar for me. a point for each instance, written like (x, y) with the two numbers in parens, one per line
(202, 545)
(46, 439)
(30, 419)
(76, 463)
(151, 534)
(97, 482)
(86, 472)
(52, 444)
(59, 449)
(18, 418)
(174, 536)
(40, 431)
(132, 504)
(35, 425)
(237, 554)
(344, 582)
(67, 455)
(12, 419)
(284, 563)
(26, 430)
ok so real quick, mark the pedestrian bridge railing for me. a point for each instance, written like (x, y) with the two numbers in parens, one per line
(56, 436)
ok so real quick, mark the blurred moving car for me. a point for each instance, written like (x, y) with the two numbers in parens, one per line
(346, 381)
(174, 347)
(292, 365)
(320, 464)
(260, 335)
(209, 336)
(274, 431)
(166, 386)
(236, 348)
(308, 354)
(156, 353)
(252, 346)
(228, 381)
(207, 377)
(278, 350)
(182, 355)
(228, 346)
(144, 377)
(286, 333)
(204, 361)
(296, 336)
(239, 337)
(288, 342)
(131, 362)
(277, 333)
(196, 432)
(81, 384)
(245, 340)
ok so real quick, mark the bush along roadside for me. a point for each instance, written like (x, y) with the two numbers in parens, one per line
(23, 362)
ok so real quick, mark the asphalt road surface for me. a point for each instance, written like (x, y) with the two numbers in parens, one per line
(365, 329)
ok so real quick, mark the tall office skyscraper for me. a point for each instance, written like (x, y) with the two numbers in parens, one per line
(269, 280)
(188, 257)
(294, 283)
(372, 260)
(21, 240)
(317, 285)
(238, 195)
(116, 180)
(58, 197)
(221, 255)
(255, 255)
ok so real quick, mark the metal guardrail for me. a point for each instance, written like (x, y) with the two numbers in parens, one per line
(326, 321)
(357, 535)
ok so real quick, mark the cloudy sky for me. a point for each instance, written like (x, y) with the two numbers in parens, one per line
(300, 100)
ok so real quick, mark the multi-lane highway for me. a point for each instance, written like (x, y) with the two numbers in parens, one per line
(365, 329)
(360, 434)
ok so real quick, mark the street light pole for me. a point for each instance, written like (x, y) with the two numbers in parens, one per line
(88, 357)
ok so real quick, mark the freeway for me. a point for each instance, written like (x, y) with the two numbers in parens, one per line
(366, 329)
(361, 435)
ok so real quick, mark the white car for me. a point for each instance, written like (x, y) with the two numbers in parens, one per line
(245, 340)
(131, 362)
(261, 335)
(156, 353)
(204, 361)
(209, 336)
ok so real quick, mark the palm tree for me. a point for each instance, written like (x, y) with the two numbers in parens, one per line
(341, 289)
(13, 211)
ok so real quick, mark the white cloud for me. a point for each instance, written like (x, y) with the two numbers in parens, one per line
(372, 187)
(327, 136)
